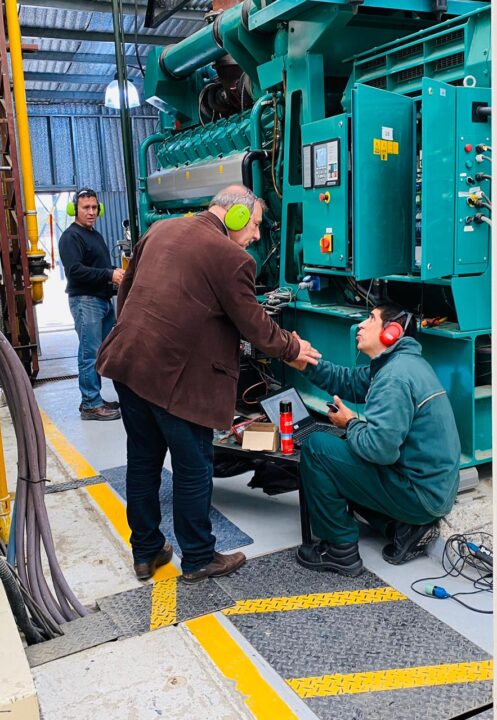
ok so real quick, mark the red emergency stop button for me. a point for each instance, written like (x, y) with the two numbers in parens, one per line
(324, 197)
(468, 147)
(326, 243)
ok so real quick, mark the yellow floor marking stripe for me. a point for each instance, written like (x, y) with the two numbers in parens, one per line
(112, 507)
(315, 600)
(264, 702)
(67, 452)
(398, 679)
(101, 493)
(260, 697)
(163, 611)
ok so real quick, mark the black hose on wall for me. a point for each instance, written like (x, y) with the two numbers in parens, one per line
(32, 529)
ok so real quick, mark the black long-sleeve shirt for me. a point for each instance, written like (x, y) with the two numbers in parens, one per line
(86, 261)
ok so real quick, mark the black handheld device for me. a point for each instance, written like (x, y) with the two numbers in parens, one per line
(334, 408)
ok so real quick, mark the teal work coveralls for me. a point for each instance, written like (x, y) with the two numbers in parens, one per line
(400, 463)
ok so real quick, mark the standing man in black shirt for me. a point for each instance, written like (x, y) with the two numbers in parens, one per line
(90, 286)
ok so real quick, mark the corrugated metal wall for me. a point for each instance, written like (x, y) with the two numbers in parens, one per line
(75, 145)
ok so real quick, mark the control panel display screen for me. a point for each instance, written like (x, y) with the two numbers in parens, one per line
(326, 165)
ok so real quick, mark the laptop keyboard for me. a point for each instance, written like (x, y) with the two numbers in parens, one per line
(301, 435)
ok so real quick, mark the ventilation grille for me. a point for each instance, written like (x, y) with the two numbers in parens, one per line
(451, 37)
(409, 51)
(405, 76)
(374, 64)
(449, 62)
(380, 83)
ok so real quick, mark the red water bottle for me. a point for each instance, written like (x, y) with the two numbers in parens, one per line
(286, 427)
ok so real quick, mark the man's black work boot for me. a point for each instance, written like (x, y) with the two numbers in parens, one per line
(409, 541)
(343, 559)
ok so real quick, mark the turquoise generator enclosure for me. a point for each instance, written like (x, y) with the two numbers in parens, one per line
(365, 125)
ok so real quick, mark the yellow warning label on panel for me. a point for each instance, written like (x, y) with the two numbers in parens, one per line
(187, 175)
(221, 168)
(384, 148)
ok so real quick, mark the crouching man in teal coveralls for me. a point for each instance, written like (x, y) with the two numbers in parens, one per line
(398, 468)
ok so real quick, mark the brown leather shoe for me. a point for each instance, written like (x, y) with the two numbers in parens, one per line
(112, 404)
(220, 565)
(145, 570)
(101, 413)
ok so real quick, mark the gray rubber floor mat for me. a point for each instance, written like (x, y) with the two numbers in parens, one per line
(354, 648)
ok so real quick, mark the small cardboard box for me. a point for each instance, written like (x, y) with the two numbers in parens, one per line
(261, 436)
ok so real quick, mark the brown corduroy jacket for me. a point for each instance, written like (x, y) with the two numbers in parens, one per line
(187, 295)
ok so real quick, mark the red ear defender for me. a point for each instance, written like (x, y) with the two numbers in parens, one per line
(391, 333)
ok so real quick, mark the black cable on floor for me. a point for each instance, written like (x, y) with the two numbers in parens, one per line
(464, 556)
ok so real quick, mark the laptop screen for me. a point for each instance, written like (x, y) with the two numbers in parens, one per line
(271, 406)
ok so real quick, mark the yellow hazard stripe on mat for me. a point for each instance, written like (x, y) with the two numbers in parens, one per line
(260, 697)
(398, 679)
(163, 610)
(315, 600)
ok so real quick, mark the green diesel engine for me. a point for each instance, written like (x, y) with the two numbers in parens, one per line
(365, 126)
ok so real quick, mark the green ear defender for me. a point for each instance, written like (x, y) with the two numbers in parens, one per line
(237, 217)
(72, 204)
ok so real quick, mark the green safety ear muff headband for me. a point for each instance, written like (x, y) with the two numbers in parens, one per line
(72, 204)
(237, 217)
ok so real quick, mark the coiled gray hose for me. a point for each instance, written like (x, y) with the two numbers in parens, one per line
(32, 526)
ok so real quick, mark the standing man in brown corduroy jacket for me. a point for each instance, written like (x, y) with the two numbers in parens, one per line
(188, 294)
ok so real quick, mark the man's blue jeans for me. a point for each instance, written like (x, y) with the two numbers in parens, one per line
(94, 318)
(151, 430)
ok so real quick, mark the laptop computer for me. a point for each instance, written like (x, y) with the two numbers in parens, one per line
(303, 423)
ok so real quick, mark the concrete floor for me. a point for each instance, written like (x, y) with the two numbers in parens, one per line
(166, 672)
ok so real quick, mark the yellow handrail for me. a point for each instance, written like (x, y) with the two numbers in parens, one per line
(34, 251)
(4, 498)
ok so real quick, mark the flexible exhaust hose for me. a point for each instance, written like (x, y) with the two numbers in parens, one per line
(16, 602)
(32, 527)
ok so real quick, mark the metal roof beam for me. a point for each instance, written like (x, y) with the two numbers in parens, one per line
(67, 95)
(76, 79)
(85, 58)
(96, 6)
(92, 36)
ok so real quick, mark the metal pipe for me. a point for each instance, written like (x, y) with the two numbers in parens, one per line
(34, 252)
(129, 169)
(201, 48)
(143, 174)
(194, 52)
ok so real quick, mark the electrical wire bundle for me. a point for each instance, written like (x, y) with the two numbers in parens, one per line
(30, 526)
(479, 199)
(275, 300)
(469, 558)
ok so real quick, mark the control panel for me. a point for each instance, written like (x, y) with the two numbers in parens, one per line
(322, 164)
(324, 179)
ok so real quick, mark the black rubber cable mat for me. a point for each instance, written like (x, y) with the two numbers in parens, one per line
(354, 648)
(57, 378)
(81, 634)
(74, 484)
(166, 602)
